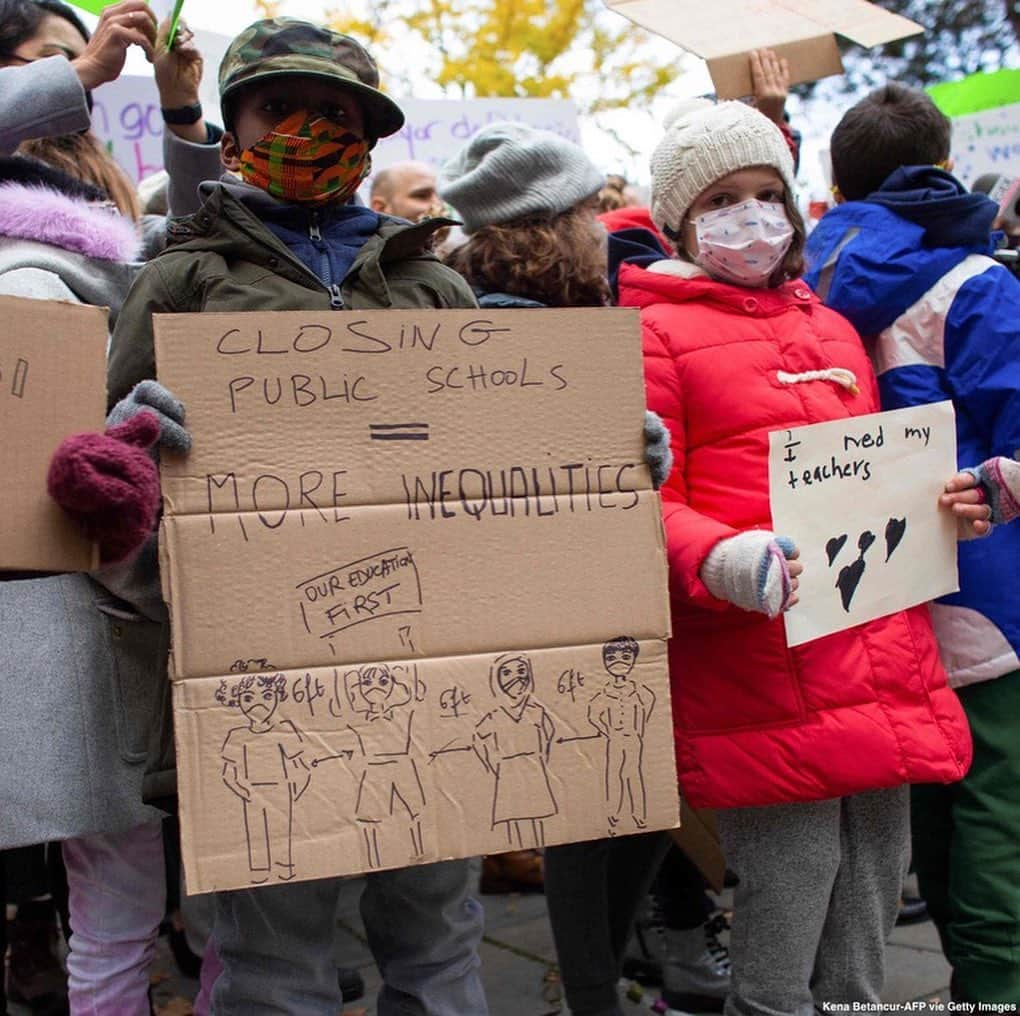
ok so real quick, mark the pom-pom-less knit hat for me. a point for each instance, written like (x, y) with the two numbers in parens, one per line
(705, 143)
(509, 170)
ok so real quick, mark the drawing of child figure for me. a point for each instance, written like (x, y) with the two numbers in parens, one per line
(620, 712)
(263, 765)
(390, 780)
(513, 743)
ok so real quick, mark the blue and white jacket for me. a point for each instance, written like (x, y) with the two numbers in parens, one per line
(909, 266)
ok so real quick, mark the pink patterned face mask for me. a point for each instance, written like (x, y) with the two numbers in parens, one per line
(743, 244)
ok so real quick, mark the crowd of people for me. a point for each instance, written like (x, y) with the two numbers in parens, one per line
(815, 760)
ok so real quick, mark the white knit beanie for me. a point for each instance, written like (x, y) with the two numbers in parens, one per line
(705, 142)
(510, 170)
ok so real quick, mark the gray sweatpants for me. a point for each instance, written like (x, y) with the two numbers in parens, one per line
(817, 900)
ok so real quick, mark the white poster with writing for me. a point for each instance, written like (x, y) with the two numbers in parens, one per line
(860, 499)
(436, 129)
(987, 142)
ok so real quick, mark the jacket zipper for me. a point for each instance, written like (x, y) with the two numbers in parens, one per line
(336, 300)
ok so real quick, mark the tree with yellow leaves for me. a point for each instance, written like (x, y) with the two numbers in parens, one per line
(566, 49)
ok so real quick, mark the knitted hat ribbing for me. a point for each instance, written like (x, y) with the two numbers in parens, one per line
(706, 143)
(510, 170)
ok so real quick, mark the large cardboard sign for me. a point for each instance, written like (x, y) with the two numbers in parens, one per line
(417, 582)
(724, 33)
(860, 498)
(52, 385)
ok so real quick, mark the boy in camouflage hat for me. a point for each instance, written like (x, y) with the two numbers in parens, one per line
(302, 111)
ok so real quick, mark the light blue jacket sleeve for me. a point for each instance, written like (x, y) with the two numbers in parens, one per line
(43, 99)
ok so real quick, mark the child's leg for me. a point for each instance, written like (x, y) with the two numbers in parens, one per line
(874, 851)
(117, 897)
(275, 943)
(980, 922)
(593, 891)
(786, 857)
(424, 929)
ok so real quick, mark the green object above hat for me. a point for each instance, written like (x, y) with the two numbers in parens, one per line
(279, 47)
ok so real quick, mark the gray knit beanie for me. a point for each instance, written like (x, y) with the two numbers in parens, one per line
(510, 170)
(705, 142)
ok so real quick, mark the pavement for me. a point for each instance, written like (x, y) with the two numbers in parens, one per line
(519, 963)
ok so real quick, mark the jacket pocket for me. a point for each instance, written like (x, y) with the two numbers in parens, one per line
(138, 653)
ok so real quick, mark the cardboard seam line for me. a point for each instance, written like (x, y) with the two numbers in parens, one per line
(174, 512)
(641, 640)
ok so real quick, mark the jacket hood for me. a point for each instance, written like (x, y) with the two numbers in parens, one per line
(45, 215)
(935, 200)
(872, 259)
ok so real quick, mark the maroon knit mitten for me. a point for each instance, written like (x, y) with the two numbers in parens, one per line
(109, 484)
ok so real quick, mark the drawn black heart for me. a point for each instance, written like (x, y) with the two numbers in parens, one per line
(833, 547)
(849, 578)
(865, 542)
(894, 530)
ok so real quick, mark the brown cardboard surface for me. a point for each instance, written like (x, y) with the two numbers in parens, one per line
(698, 838)
(409, 535)
(800, 30)
(52, 385)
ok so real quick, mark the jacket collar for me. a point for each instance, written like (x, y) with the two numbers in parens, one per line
(45, 215)
(204, 232)
(641, 287)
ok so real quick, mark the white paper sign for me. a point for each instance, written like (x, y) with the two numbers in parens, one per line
(860, 499)
(436, 129)
(987, 142)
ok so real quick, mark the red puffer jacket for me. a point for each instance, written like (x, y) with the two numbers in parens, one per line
(755, 722)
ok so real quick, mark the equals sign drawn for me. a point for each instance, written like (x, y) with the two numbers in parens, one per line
(399, 431)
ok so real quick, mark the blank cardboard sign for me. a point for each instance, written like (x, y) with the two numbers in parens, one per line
(52, 384)
(724, 33)
(416, 575)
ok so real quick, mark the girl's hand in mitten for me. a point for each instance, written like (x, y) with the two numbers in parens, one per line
(976, 498)
(658, 455)
(154, 398)
(110, 485)
(756, 570)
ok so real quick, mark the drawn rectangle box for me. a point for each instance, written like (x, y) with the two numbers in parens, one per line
(52, 385)
(422, 647)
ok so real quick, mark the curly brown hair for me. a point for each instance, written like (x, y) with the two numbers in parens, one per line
(560, 262)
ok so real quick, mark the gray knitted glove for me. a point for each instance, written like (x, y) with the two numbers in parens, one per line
(658, 455)
(750, 571)
(153, 397)
(1000, 480)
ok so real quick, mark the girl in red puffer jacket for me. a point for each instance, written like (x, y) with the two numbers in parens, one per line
(806, 753)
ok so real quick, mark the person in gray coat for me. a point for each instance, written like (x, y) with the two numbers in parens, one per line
(83, 690)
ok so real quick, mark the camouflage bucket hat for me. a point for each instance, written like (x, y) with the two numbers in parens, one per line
(283, 46)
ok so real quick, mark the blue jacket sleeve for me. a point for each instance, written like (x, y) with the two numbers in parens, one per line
(982, 348)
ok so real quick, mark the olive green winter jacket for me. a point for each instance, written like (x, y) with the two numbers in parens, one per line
(224, 259)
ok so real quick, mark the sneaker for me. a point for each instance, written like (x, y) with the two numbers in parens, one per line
(696, 975)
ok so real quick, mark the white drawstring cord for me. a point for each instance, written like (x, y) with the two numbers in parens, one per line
(838, 375)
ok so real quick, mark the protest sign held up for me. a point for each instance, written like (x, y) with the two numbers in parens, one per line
(52, 384)
(860, 499)
(417, 581)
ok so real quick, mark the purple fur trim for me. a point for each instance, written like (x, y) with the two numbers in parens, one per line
(46, 216)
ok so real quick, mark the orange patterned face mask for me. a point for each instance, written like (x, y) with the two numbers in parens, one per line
(308, 159)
